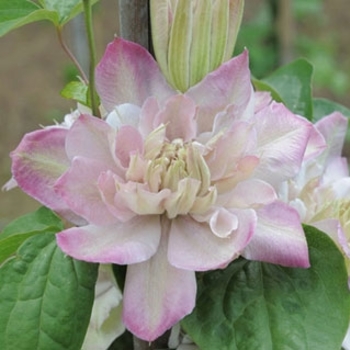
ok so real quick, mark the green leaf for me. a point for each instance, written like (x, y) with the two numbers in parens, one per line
(292, 83)
(76, 90)
(323, 107)
(16, 13)
(41, 221)
(253, 305)
(46, 297)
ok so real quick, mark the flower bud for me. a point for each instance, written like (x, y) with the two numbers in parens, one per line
(193, 37)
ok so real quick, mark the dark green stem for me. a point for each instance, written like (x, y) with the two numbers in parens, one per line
(91, 42)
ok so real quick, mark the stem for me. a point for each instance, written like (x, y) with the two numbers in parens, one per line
(70, 55)
(91, 42)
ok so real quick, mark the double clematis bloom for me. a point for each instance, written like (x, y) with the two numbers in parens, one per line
(170, 183)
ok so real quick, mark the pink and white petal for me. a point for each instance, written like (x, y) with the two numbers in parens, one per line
(38, 161)
(178, 116)
(130, 242)
(93, 138)
(124, 114)
(333, 128)
(226, 150)
(193, 245)
(228, 84)
(140, 200)
(251, 193)
(107, 185)
(157, 295)
(279, 237)
(148, 114)
(316, 144)
(261, 100)
(128, 73)
(128, 142)
(281, 142)
(78, 188)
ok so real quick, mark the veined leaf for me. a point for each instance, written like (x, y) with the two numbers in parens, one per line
(46, 297)
(258, 306)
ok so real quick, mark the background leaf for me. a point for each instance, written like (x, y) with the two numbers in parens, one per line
(17, 13)
(46, 298)
(41, 221)
(292, 83)
(252, 305)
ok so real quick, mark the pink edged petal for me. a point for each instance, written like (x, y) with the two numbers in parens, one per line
(228, 84)
(261, 99)
(128, 142)
(123, 243)
(90, 137)
(78, 187)
(193, 245)
(279, 237)
(281, 142)
(333, 128)
(227, 150)
(251, 193)
(125, 114)
(38, 161)
(178, 116)
(148, 114)
(128, 73)
(157, 295)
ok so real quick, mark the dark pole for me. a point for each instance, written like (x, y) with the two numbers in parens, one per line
(134, 21)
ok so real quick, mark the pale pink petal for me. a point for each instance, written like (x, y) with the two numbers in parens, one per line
(124, 114)
(149, 111)
(228, 84)
(281, 142)
(252, 193)
(139, 199)
(90, 137)
(223, 159)
(125, 243)
(107, 185)
(128, 142)
(316, 144)
(157, 295)
(193, 245)
(279, 237)
(128, 73)
(223, 222)
(38, 161)
(78, 187)
(261, 99)
(178, 116)
(333, 128)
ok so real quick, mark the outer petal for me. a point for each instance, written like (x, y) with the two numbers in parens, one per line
(78, 187)
(127, 73)
(157, 295)
(126, 243)
(38, 161)
(90, 137)
(229, 84)
(106, 317)
(281, 140)
(193, 246)
(279, 237)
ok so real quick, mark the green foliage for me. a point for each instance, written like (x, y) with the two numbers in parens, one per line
(16, 13)
(252, 305)
(46, 297)
(41, 221)
(78, 91)
(291, 84)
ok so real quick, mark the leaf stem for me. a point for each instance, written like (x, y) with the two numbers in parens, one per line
(70, 55)
(91, 42)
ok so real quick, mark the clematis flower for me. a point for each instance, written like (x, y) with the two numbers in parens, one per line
(192, 38)
(170, 183)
